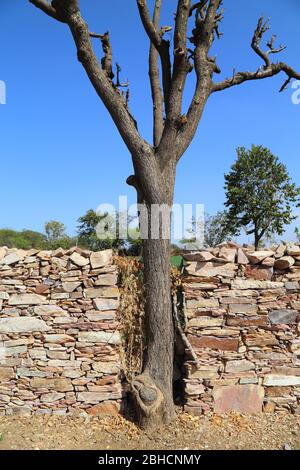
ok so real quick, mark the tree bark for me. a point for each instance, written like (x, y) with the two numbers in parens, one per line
(153, 389)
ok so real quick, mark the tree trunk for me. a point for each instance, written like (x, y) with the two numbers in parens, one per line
(153, 389)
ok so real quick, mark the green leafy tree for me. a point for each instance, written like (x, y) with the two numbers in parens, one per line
(26, 239)
(260, 194)
(56, 235)
(88, 233)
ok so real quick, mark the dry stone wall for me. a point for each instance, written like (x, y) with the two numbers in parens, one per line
(242, 312)
(59, 337)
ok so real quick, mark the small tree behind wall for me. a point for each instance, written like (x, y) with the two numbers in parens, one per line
(154, 163)
(260, 194)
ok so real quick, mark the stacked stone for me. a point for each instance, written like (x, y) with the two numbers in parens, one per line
(59, 336)
(242, 312)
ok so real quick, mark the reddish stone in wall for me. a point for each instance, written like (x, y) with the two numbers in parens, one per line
(248, 321)
(104, 408)
(246, 399)
(258, 273)
(213, 342)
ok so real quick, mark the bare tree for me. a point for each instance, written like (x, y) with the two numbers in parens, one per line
(155, 163)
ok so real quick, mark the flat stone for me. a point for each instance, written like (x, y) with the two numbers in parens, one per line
(49, 310)
(202, 303)
(57, 384)
(102, 292)
(293, 250)
(243, 308)
(198, 256)
(281, 381)
(212, 269)
(269, 262)
(213, 342)
(100, 316)
(99, 337)
(106, 280)
(59, 339)
(259, 273)
(258, 256)
(253, 284)
(241, 257)
(245, 399)
(228, 254)
(6, 374)
(239, 366)
(79, 260)
(247, 321)
(52, 397)
(26, 299)
(22, 325)
(283, 316)
(94, 398)
(285, 262)
(200, 322)
(260, 339)
(109, 408)
(42, 289)
(106, 367)
(12, 258)
(25, 372)
(101, 258)
(70, 286)
(103, 305)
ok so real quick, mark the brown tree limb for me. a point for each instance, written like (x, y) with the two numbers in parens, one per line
(181, 63)
(206, 20)
(107, 61)
(157, 96)
(162, 46)
(141, 151)
(269, 69)
(46, 8)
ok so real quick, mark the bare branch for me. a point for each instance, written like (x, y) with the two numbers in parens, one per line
(150, 29)
(261, 29)
(114, 102)
(162, 46)
(157, 96)
(46, 8)
(206, 20)
(269, 70)
(107, 60)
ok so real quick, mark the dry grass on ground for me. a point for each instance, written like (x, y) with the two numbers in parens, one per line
(233, 431)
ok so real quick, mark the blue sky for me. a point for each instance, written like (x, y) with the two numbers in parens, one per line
(60, 152)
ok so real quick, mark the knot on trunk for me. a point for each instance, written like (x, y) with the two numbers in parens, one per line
(148, 396)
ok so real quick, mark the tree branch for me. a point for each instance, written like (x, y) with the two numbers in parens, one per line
(107, 60)
(157, 96)
(46, 8)
(69, 11)
(206, 21)
(162, 46)
(268, 70)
